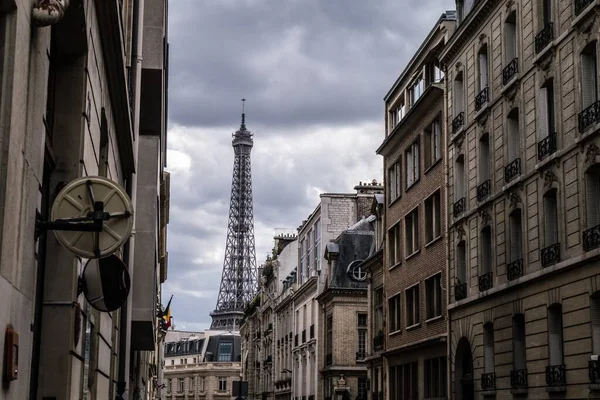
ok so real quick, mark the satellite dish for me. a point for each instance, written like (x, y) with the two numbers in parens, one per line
(92, 216)
(105, 283)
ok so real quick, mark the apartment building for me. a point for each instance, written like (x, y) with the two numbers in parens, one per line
(413, 337)
(71, 105)
(523, 192)
(201, 365)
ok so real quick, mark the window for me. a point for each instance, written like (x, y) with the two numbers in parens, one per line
(595, 309)
(329, 333)
(589, 76)
(461, 262)
(546, 12)
(433, 218)
(318, 245)
(435, 378)
(486, 250)
(180, 387)
(412, 164)
(484, 159)
(592, 197)
(394, 181)
(172, 362)
(519, 362)
(417, 89)
(378, 308)
(362, 388)
(303, 260)
(169, 383)
(546, 111)
(550, 218)
(433, 139)
(222, 383)
(433, 293)
(555, 334)
(516, 236)
(404, 382)
(459, 94)
(459, 186)
(396, 114)
(513, 135)
(358, 273)
(412, 232)
(362, 336)
(394, 313)
(510, 37)
(412, 306)
(488, 348)
(435, 72)
(309, 256)
(394, 244)
(483, 68)
(225, 349)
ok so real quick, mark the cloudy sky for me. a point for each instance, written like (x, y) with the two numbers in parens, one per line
(314, 73)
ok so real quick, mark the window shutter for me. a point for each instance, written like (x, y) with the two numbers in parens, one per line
(550, 220)
(483, 70)
(543, 114)
(588, 79)
(555, 334)
(592, 191)
(595, 309)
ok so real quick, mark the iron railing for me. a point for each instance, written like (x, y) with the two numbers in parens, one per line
(594, 371)
(458, 121)
(514, 270)
(556, 375)
(547, 146)
(591, 238)
(488, 381)
(328, 359)
(510, 70)
(589, 116)
(544, 37)
(482, 98)
(459, 207)
(550, 255)
(485, 282)
(484, 190)
(518, 378)
(580, 5)
(460, 291)
(512, 170)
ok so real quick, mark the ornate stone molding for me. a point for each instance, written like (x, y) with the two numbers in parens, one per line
(546, 61)
(460, 231)
(514, 199)
(591, 153)
(549, 179)
(509, 5)
(486, 218)
(482, 37)
(458, 141)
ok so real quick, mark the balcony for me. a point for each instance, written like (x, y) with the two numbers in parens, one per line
(304, 336)
(328, 359)
(458, 121)
(556, 375)
(518, 378)
(580, 5)
(594, 371)
(512, 170)
(482, 98)
(459, 207)
(510, 71)
(591, 238)
(296, 340)
(484, 190)
(378, 341)
(488, 381)
(460, 291)
(485, 282)
(543, 39)
(514, 270)
(360, 355)
(550, 255)
(547, 146)
(312, 331)
(589, 116)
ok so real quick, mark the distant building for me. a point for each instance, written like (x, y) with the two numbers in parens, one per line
(201, 365)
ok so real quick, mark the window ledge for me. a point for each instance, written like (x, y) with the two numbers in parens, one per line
(414, 253)
(457, 134)
(412, 184)
(556, 389)
(398, 264)
(395, 333)
(433, 319)
(431, 242)
(436, 162)
(589, 131)
(413, 326)
(483, 109)
(488, 393)
(542, 54)
(519, 391)
(584, 14)
(394, 201)
(509, 84)
(595, 386)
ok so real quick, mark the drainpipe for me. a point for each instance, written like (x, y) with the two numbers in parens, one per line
(48, 12)
(123, 391)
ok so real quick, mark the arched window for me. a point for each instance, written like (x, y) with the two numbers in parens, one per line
(482, 57)
(459, 186)
(488, 379)
(555, 371)
(551, 251)
(460, 287)
(510, 37)
(486, 250)
(515, 268)
(518, 376)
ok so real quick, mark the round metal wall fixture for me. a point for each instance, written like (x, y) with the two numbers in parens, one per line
(77, 200)
(106, 283)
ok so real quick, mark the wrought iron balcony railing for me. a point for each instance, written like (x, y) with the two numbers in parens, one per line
(550, 255)
(556, 375)
(482, 98)
(518, 378)
(514, 270)
(589, 116)
(378, 341)
(485, 282)
(580, 5)
(594, 371)
(328, 359)
(510, 70)
(312, 331)
(488, 381)
(459, 207)
(512, 170)
(591, 238)
(484, 190)
(547, 146)
(458, 121)
(544, 37)
(460, 291)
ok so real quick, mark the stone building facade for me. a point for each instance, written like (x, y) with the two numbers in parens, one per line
(413, 333)
(523, 194)
(71, 105)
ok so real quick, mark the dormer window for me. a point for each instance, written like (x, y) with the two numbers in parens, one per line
(356, 270)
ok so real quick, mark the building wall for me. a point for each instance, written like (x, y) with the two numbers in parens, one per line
(572, 279)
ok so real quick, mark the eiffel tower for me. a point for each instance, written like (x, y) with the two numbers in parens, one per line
(239, 278)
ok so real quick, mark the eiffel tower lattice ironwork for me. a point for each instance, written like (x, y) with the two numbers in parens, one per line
(239, 278)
